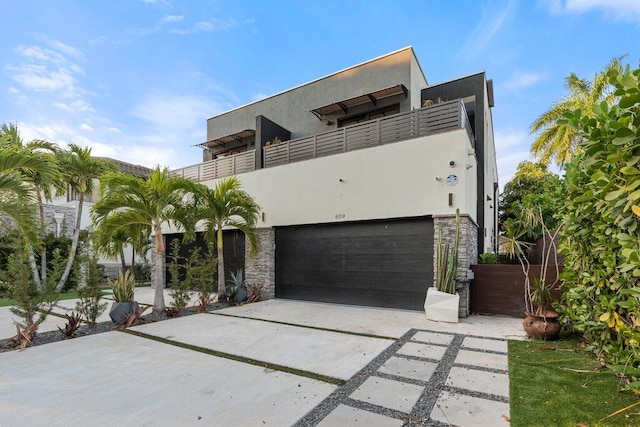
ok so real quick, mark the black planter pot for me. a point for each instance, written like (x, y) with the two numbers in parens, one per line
(121, 310)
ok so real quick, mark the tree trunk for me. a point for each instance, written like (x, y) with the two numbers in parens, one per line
(123, 263)
(43, 254)
(222, 291)
(74, 245)
(34, 269)
(158, 295)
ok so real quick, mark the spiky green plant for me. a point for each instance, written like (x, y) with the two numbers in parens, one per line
(123, 286)
(447, 260)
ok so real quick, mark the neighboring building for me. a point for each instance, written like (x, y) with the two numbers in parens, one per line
(354, 178)
(60, 214)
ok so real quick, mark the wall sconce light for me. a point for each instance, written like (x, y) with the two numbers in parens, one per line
(489, 198)
(438, 178)
(329, 122)
(450, 199)
(262, 215)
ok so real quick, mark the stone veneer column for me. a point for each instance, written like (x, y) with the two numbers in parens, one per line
(261, 269)
(467, 252)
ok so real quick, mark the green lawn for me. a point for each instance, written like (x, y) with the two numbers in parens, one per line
(555, 384)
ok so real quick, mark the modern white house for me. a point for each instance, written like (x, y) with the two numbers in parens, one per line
(355, 173)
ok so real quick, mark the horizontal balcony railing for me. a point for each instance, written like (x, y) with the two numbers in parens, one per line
(218, 168)
(443, 117)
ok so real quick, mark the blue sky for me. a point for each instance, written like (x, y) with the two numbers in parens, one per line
(136, 79)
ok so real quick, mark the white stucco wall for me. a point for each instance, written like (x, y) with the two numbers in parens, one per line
(390, 181)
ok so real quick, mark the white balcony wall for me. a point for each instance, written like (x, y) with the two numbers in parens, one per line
(389, 181)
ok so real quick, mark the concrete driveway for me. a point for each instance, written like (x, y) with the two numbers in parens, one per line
(277, 362)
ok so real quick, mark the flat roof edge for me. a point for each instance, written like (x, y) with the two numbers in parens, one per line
(321, 78)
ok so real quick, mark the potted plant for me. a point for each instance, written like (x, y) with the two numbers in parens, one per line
(442, 301)
(541, 321)
(124, 305)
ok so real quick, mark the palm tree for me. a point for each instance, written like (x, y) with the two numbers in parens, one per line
(130, 203)
(17, 198)
(46, 183)
(80, 171)
(556, 141)
(227, 205)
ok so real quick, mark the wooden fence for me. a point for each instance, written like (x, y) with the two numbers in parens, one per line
(499, 289)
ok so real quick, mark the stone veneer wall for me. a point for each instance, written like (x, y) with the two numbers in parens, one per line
(261, 269)
(467, 252)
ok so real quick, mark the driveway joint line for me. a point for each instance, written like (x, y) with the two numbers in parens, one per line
(318, 328)
(242, 359)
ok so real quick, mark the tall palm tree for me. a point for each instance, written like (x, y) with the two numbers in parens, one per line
(556, 141)
(227, 205)
(46, 183)
(80, 171)
(129, 203)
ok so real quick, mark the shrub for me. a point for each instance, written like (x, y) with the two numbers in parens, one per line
(179, 291)
(488, 258)
(90, 295)
(200, 276)
(601, 238)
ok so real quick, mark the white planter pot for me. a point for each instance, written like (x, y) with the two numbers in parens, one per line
(441, 306)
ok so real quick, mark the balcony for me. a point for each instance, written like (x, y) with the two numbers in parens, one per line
(443, 117)
(438, 118)
(218, 168)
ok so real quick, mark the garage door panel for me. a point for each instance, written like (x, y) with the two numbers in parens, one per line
(380, 263)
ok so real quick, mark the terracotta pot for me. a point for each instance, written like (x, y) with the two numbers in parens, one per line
(542, 327)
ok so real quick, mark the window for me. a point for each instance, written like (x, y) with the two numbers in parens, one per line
(371, 115)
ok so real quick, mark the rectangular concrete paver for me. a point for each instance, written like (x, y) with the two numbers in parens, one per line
(467, 411)
(408, 368)
(432, 338)
(337, 355)
(483, 360)
(119, 379)
(388, 393)
(485, 344)
(423, 350)
(481, 381)
(347, 416)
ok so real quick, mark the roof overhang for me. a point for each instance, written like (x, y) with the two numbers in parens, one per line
(367, 98)
(238, 136)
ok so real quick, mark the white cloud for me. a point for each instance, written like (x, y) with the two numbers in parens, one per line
(512, 147)
(207, 26)
(488, 27)
(171, 18)
(617, 10)
(520, 80)
(51, 69)
(176, 112)
(86, 127)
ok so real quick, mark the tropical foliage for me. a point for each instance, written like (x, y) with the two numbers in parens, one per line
(226, 205)
(533, 188)
(602, 232)
(132, 205)
(555, 142)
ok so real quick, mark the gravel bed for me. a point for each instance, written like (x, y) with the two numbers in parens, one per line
(48, 337)
(421, 413)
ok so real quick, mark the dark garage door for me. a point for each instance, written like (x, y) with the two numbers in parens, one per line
(378, 263)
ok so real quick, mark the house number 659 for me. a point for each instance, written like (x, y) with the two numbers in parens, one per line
(341, 216)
